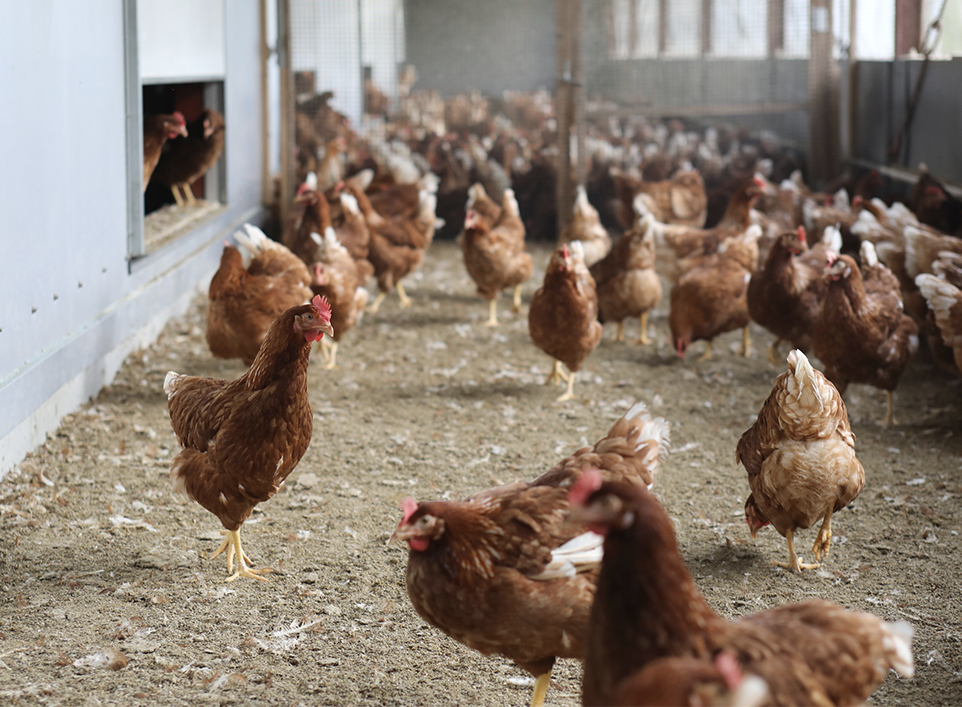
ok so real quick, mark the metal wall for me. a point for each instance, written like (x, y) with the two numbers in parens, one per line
(490, 46)
(71, 306)
(883, 91)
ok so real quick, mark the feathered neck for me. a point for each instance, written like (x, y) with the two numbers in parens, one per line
(467, 549)
(230, 275)
(284, 353)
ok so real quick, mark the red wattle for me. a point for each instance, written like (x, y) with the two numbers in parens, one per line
(418, 544)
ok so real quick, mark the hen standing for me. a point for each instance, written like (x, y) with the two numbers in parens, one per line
(862, 335)
(495, 256)
(563, 317)
(626, 281)
(339, 280)
(190, 157)
(585, 226)
(158, 129)
(800, 459)
(245, 302)
(648, 607)
(502, 573)
(242, 438)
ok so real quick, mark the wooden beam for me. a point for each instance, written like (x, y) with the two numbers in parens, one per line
(908, 26)
(706, 35)
(662, 27)
(703, 110)
(578, 88)
(776, 27)
(823, 97)
(564, 193)
(287, 110)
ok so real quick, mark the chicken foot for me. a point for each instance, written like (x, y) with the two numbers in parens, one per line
(823, 541)
(621, 332)
(175, 190)
(516, 302)
(890, 409)
(540, 689)
(188, 194)
(643, 332)
(232, 544)
(557, 374)
(405, 300)
(794, 561)
(492, 313)
(773, 354)
(746, 342)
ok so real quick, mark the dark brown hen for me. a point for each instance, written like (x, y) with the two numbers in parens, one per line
(647, 607)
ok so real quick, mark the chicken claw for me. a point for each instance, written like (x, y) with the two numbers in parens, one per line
(516, 303)
(794, 561)
(233, 546)
(331, 356)
(569, 393)
(746, 342)
(823, 541)
(405, 300)
(707, 355)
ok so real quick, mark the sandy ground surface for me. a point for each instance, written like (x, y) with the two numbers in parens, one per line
(107, 596)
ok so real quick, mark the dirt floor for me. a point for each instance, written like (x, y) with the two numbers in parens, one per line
(107, 597)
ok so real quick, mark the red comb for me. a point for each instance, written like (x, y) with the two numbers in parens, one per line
(226, 243)
(585, 485)
(731, 671)
(758, 181)
(932, 189)
(564, 250)
(801, 234)
(410, 507)
(179, 117)
(856, 201)
(322, 306)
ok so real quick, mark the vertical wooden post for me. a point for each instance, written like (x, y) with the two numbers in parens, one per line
(706, 43)
(578, 89)
(287, 109)
(267, 192)
(563, 112)
(823, 98)
(662, 27)
(776, 27)
(908, 26)
(852, 117)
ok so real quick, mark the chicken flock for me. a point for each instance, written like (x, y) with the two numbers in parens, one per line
(582, 561)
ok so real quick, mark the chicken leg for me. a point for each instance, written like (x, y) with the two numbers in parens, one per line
(746, 342)
(621, 332)
(405, 300)
(794, 561)
(643, 333)
(890, 409)
(232, 544)
(331, 356)
(516, 303)
(492, 312)
(823, 541)
(175, 190)
(557, 374)
(569, 393)
(377, 302)
(188, 194)
(773, 354)
(707, 355)
(540, 689)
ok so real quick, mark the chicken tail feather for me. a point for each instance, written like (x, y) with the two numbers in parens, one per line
(170, 383)
(646, 432)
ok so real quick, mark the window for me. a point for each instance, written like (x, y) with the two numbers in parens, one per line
(175, 61)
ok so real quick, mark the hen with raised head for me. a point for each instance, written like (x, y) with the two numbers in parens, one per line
(563, 316)
(800, 459)
(502, 573)
(244, 302)
(158, 129)
(626, 281)
(495, 256)
(188, 158)
(647, 607)
(861, 334)
(242, 438)
(680, 200)
(585, 226)
(339, 279)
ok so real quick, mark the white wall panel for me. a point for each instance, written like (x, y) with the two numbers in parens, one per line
(180, 39)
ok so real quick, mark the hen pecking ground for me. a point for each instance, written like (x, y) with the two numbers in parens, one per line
(106, 595)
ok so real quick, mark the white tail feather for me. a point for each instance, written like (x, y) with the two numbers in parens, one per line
(898, 644)
(580, 554)
(170, 383)
(869, 256)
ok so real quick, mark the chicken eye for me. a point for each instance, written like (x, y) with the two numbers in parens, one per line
(310, 316)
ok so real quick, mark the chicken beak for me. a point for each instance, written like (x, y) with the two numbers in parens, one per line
(325, 328)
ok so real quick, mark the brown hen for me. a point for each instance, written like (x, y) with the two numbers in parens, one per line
(563, 316)
(158, 129)
(800, 459)
(502, 573)
(647, 607)
(242, 438)
(244, 302)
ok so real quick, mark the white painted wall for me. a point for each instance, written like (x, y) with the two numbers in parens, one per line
(181, 39)
(70, 307)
